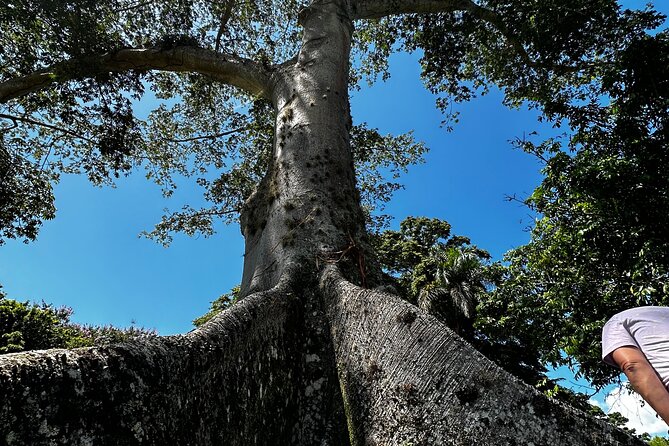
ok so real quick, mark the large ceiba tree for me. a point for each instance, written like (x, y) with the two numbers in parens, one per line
(253, 102)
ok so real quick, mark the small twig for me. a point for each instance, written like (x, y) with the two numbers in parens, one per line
(214, 136)
(45, 125)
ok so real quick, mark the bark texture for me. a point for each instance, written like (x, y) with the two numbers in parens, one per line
(306, 210)
(406, 378)
(247, 377)
(265, 372)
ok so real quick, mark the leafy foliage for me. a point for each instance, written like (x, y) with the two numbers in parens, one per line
(221, 303)
(26, 197)
(27, 326)
(424, 256)
(412, 255)
(200, 129)
(658, 441)
(550, 53)
(88, 125)
(600, 244)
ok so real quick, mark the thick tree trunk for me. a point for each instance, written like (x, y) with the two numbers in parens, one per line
(306, 210)
(247, 377)
(306, 358)
(264, 372)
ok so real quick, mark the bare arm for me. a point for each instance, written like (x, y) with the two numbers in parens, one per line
(644, 379)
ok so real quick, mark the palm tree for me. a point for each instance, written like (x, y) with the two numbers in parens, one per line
(460, 280)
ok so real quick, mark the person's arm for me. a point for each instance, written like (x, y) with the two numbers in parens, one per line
(644, 379)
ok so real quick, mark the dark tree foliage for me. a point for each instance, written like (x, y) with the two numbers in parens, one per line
(29, 326)
(26, 197)
(601, 242)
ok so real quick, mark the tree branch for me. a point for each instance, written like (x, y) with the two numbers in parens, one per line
(16, 119)
(376, 9)
(232, 70)
(211, 136)
(224, 21)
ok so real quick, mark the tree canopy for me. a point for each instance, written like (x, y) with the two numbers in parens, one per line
(100, 58)
(601, 240)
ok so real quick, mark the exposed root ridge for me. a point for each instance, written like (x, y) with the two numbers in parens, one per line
(406, 378)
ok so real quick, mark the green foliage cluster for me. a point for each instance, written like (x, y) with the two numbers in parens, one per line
(412, 255)
(28, 326)
(23, 186)
(601, 242)
(221, 303)
(213, 134)
(551, 53)
(658, 441)
(601, 238)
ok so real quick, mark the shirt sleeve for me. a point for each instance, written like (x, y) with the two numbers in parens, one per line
(614, 336)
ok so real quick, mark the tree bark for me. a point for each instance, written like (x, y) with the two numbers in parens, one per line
(247, 377)
(306, 210)
(279, 368)
(406, 378)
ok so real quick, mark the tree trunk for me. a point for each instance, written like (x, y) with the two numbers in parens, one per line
(265, 372)
(306, 210)
(306, 357)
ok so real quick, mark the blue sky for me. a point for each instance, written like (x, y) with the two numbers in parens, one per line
(91, 258)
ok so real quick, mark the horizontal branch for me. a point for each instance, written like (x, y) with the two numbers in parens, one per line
(63, 130)
(232, 70)
(376, 9)
(211, 136)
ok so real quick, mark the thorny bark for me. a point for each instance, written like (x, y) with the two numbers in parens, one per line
(307, 210)
(307, 357)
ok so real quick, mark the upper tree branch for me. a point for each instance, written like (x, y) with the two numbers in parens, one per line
(375, 9)
(16, 119)
(232, 70)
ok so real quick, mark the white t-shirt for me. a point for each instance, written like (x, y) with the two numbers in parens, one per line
(646, 328)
